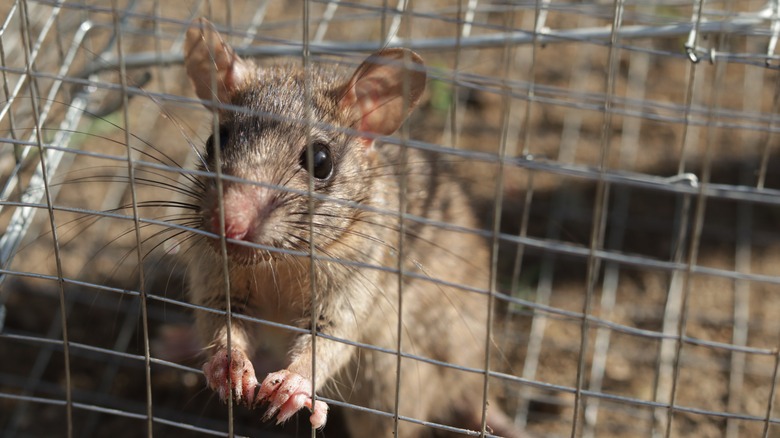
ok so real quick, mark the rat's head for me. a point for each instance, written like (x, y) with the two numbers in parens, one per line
(268, 143)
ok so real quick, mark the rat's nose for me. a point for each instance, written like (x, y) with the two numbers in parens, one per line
(235, 226)
(245, 209)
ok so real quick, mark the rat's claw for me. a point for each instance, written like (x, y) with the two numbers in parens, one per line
(291, 406)
(271, 384)
(278, 388)
(319, 413)
(242, 381)
(286, 393)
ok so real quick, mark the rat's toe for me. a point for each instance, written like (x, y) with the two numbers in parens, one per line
(231, 374)
(286, 393)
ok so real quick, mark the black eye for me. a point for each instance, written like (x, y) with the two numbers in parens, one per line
(224, 135)
(322, 161)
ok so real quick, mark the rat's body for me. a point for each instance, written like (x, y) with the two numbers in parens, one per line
(357, 240)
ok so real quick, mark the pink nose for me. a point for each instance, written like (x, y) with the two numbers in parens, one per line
(245, 208)
(235, 227)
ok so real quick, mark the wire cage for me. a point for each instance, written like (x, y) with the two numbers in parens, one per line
(619, 156)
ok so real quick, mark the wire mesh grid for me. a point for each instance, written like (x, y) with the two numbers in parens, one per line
(619, 156)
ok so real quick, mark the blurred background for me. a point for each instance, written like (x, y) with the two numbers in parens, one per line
(622, 154)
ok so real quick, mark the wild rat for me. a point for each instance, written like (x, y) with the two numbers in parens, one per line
(269, 155)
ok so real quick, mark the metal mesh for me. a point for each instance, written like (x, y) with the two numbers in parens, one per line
(620, 156)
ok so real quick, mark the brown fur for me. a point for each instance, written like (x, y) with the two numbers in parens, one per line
(354, 303)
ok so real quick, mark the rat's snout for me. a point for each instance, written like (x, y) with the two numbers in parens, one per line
(245, 210)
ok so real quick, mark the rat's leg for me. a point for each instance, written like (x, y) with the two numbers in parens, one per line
(289, 390)
(227, 371)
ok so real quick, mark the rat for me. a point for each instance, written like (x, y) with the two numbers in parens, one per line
(271, 158)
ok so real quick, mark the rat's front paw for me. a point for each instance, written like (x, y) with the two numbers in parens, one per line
(242, 376)
(286, 393)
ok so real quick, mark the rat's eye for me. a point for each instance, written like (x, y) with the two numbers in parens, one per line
(322, 161)
(224, 134)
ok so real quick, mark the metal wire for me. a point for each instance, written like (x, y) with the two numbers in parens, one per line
(611, 132)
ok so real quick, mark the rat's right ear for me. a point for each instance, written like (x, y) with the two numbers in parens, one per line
(384, 90)
(211, 61)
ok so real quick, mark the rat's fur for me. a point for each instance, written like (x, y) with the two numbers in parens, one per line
(358, 223)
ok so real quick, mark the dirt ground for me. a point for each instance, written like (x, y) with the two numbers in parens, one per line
(550, 207)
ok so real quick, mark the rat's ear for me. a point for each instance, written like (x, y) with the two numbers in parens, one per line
(207, 54)
(374, 95)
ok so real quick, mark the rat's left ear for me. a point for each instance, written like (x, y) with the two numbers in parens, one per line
(375, 97)
(206, 54)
